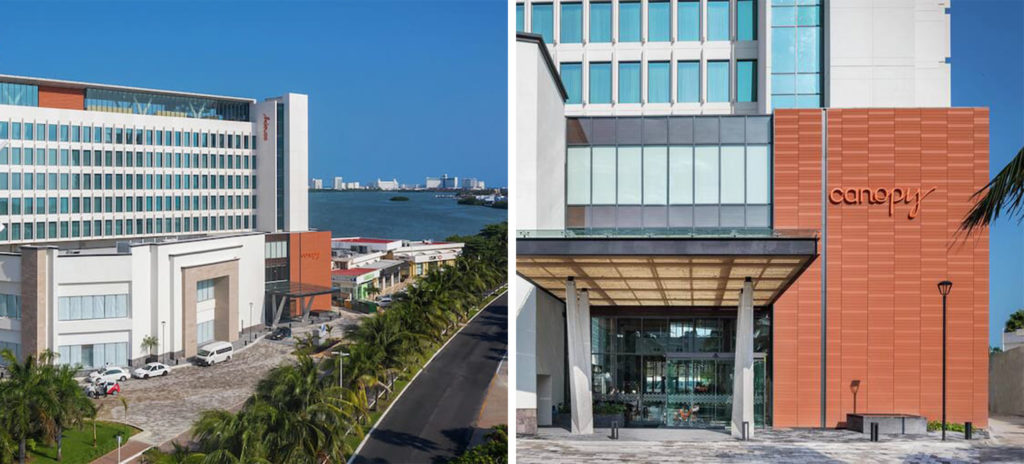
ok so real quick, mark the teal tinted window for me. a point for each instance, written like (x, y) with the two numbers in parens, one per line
(718, 81)
(572, 79)
(572, 23)
(19, 94)
(629, 21)
(600, 83)
(718, 20)
(658, 21)
(543, 21)
(520, 18)
(629, 82)
(659, 82)
(688, 22)
(746, 80)
(746, 20)
(601, 22)
(796, 53)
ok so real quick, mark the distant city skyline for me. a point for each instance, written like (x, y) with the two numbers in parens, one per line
(409, 106)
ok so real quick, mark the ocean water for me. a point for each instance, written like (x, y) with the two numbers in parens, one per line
(372, 214)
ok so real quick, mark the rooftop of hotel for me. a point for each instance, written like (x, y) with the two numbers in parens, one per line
(364, 240)
(352, 272)
(66, 84)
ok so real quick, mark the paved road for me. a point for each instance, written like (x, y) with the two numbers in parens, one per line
(433, 420)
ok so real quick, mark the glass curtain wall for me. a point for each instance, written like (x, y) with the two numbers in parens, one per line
(675, 371)
(796, 54)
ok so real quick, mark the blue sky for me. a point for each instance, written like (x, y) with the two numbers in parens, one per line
(400, 89)
(988, 62)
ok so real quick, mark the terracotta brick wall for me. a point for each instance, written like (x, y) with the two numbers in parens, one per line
(56, 97)
(310, 254)
(884, 326)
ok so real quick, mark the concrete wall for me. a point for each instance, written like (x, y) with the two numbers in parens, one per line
(540, 143)
(1006, 382)
(296, 126)
(888, 53)
(540, 351)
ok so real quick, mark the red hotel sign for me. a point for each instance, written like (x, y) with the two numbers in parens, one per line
(266, 126)
(881, 196)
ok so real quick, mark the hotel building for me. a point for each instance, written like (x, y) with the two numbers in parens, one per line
(737, 211)
(132, 212)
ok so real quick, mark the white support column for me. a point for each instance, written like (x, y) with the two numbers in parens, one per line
(577, 326)
(743, 378)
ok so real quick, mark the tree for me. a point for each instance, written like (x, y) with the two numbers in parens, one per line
(150, 343)
(26, 400)
(1004, 191)
(70, 407)
(1015, 322)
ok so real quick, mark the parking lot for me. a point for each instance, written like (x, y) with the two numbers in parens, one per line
(166, 407)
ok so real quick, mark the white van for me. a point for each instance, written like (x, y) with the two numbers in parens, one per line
(214, 352)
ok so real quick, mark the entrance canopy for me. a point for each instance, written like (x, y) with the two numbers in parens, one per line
(665, 270)
(282, 292)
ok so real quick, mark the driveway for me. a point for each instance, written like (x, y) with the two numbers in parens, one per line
(165, 407)
(433, 420)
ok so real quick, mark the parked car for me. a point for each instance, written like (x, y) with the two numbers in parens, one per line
(281, 333)
(384, 301)
(102, 388)
(109, 373)
(152, 369)
(214, 353)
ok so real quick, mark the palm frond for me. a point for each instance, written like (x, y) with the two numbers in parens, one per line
(1003, 195)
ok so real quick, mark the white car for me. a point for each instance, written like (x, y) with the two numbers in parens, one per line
(109, 374)
(384, 301)
(153, 369)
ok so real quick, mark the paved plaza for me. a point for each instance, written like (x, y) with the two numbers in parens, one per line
(770, 446)
(165, 407)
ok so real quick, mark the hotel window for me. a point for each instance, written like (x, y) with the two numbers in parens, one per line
(578, 176)
(746, 80)
(630, 19)
(718, 20)
(688, 81)
(520, 19)
(10, 305)
(19, 94)
(706, 175)
(204, 290)
(572, 79)
(74, 308)
(543, 21)
(572, 23)
(655, 186)
(796, 54)
(95, 355)
(204, 332)
(600, 83)
(630, 176)
(658, 21)
(601, 22)
(746, 20)
(3, 130)
(688, 20)
(718, 81)
(629, 82)
(659, 82)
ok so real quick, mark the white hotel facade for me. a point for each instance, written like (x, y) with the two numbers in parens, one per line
(131, 212)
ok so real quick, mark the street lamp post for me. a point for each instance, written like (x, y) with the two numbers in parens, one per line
(163, 336)
(251, 320)
(944, 287)
(119, 449)
(341, 357)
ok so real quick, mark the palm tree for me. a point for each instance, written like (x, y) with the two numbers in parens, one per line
(26, 400)
(71, 407)
(1005, 191)
(150, 343)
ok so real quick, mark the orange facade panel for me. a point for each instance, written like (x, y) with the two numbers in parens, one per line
(309, 255)
(898, 183)
(57, 97)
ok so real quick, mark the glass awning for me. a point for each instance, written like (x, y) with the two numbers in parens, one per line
(297, 289)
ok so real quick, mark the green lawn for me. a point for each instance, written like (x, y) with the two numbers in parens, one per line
(78, 444)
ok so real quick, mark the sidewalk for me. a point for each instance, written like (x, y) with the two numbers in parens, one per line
(128, 450)
(495, 408)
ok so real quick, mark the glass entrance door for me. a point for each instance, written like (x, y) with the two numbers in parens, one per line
(698, 390)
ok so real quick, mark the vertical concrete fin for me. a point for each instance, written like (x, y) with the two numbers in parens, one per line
(577, 327)
(743, 377)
